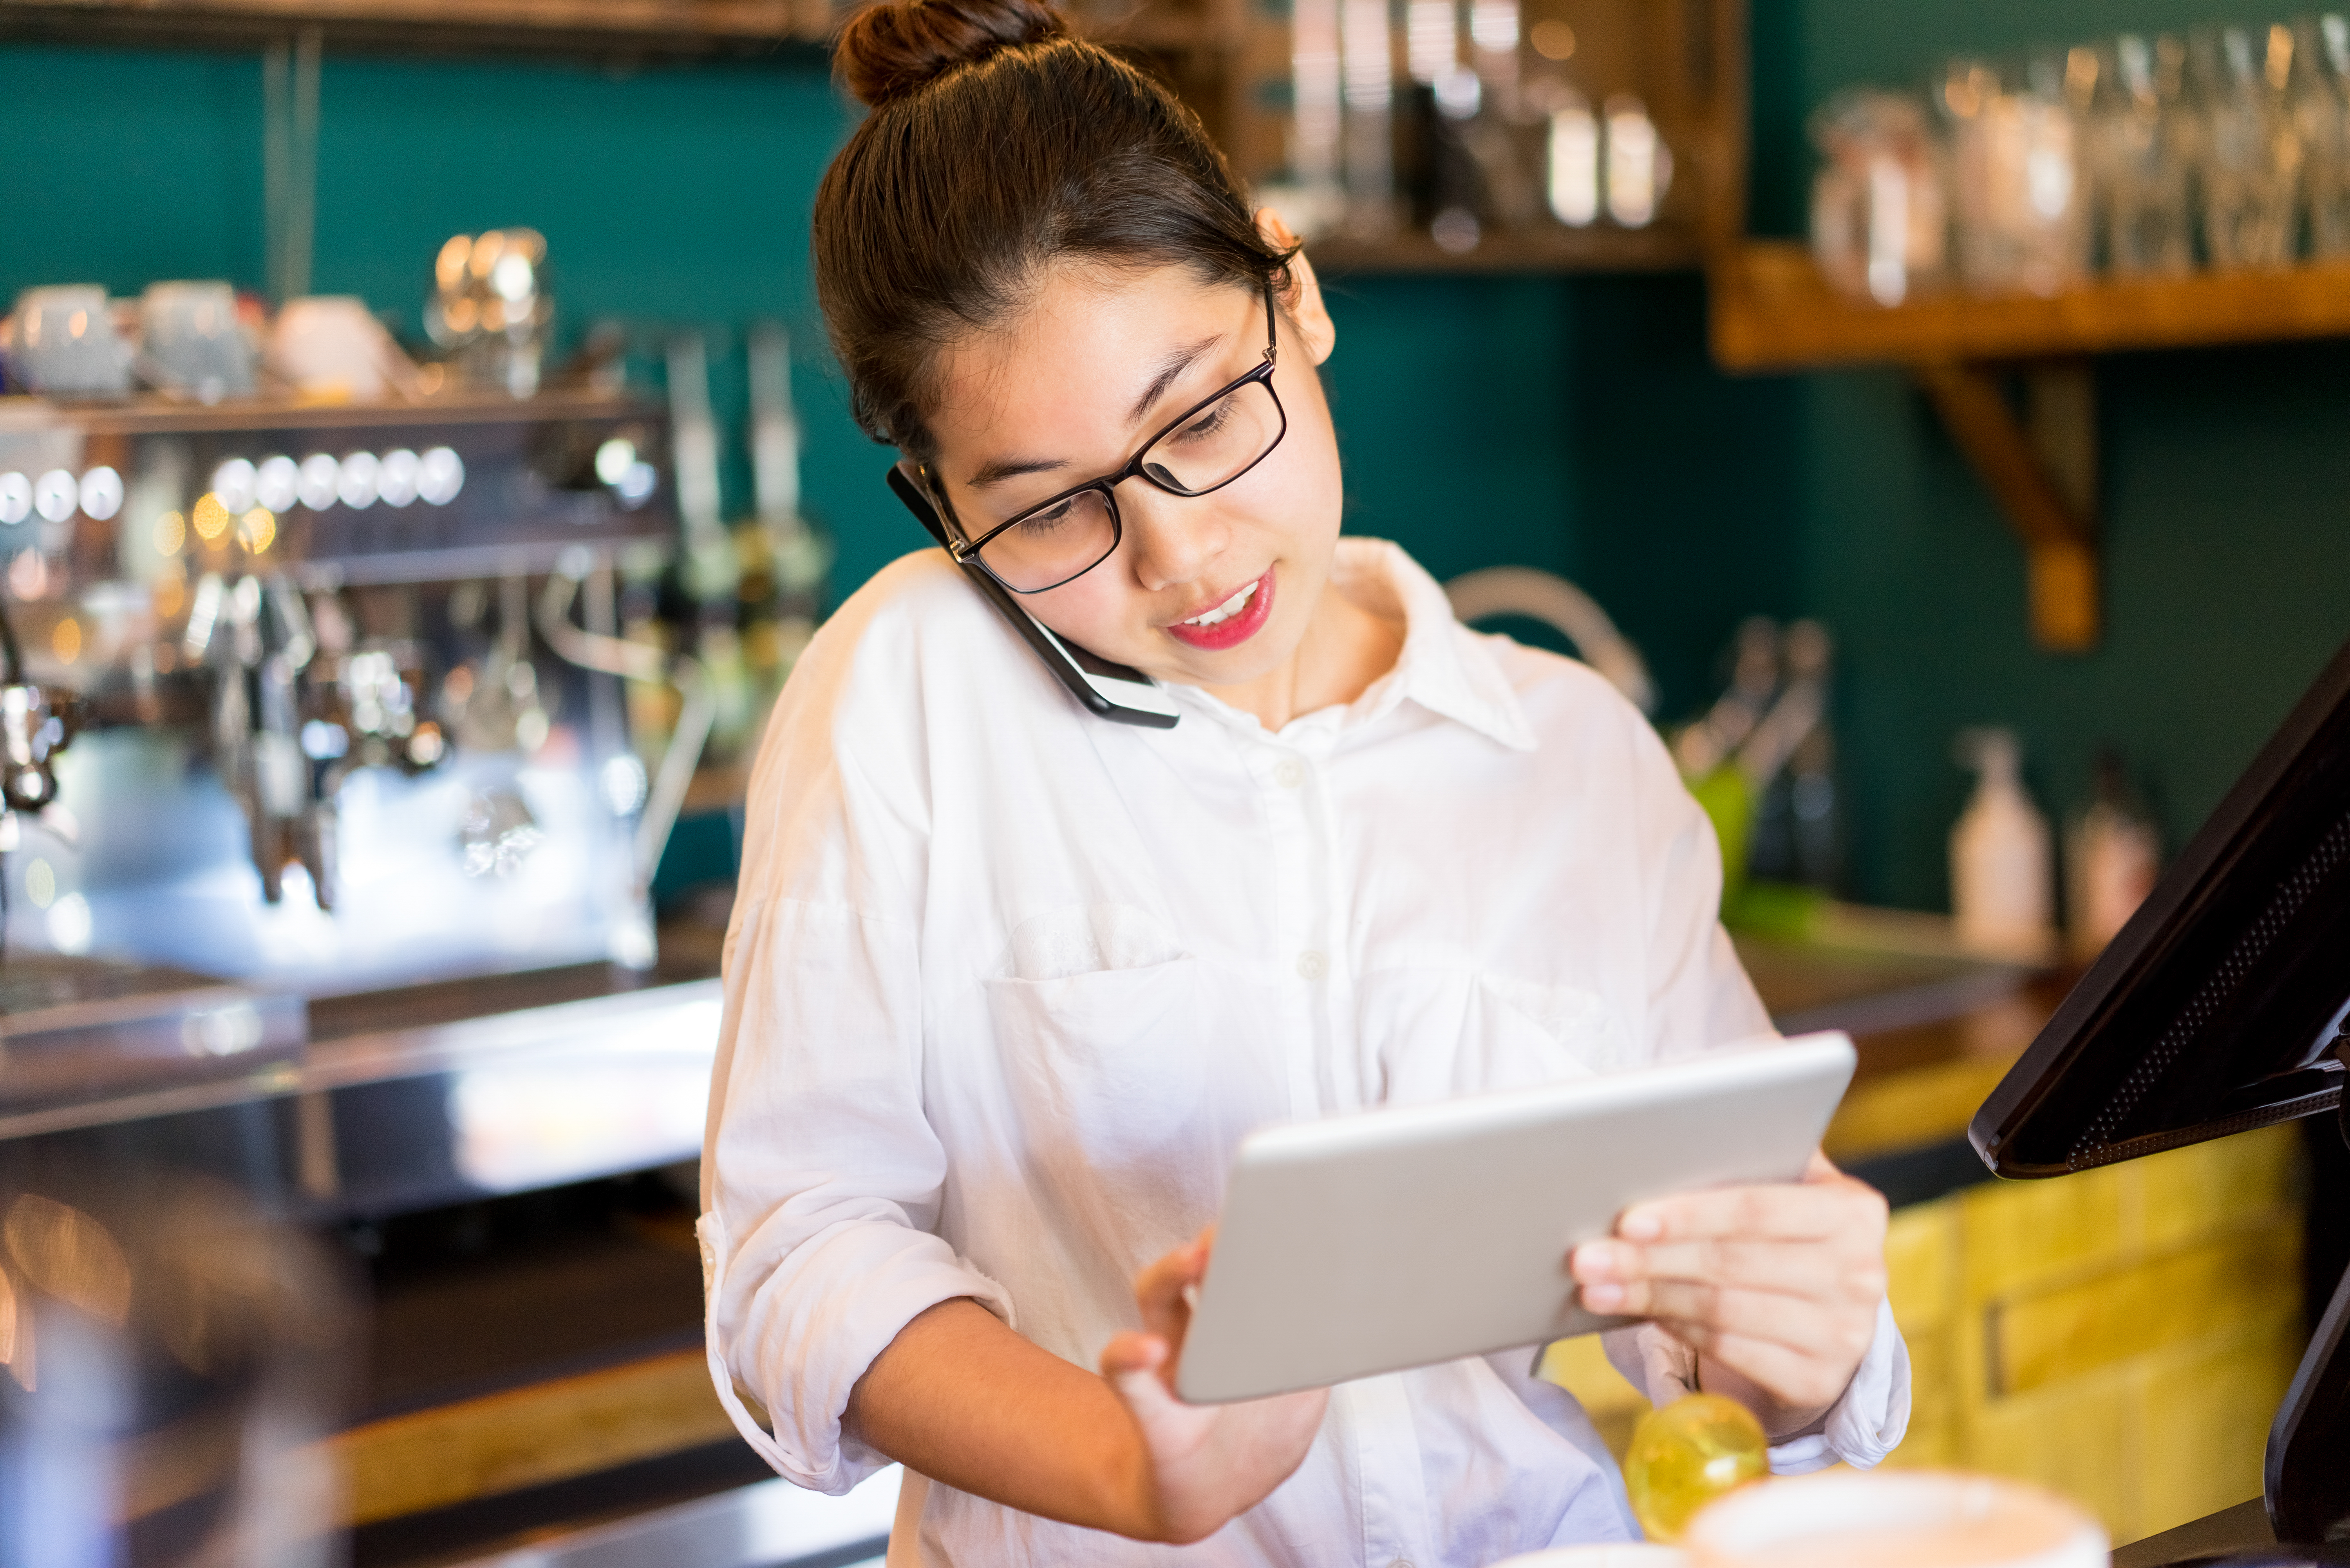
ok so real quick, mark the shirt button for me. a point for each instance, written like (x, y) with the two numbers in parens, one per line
(1290, 773)
(1312, 965)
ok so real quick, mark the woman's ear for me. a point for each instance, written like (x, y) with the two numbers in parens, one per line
(1303, 298)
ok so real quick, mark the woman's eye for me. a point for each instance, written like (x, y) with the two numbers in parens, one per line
(1047, 519)
(1208, 424)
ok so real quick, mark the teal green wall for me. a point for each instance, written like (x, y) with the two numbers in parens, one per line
(669, 197)
(1574, 423)
(2226, 508)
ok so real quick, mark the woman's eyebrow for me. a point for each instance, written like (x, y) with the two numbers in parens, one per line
(1170, 368)
(1174, 365)
(1005, 468)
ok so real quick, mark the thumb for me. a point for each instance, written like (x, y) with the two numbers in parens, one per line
(1137, 1366)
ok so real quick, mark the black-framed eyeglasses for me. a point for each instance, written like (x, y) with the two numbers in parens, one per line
(1203, 449)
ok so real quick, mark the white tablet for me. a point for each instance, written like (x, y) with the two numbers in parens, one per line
(1415, 1234)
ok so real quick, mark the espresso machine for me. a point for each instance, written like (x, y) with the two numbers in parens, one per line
(342, 729)
(316, 744)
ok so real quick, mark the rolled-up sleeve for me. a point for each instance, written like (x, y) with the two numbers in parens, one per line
(1860, 1428)
(825, 1185)
(822, 1177)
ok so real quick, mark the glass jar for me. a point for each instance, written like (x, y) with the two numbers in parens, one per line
(2018, 195)
(1879, 223)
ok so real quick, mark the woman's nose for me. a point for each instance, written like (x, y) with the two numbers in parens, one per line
(1174, 541)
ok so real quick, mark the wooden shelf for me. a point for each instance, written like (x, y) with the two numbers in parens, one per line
(790, 30)
(1771, 310)
(147, 413)
(1595, 249)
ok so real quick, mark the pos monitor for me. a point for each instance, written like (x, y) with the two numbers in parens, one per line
(2223, 1005)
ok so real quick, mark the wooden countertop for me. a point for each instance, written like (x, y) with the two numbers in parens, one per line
(1935, 1033)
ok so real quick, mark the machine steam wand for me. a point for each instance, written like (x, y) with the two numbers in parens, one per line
(36, 725)
(634, 661)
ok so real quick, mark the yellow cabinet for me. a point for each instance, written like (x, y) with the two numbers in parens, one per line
(2122, 1335)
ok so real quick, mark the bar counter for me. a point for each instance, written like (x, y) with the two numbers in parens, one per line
(507, 1163)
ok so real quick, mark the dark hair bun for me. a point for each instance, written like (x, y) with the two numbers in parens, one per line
(888, 49)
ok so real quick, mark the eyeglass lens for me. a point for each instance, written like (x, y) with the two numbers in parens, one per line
(1211, 447)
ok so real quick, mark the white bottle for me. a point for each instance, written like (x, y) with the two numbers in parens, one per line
(2001, 876)
(2113, 854)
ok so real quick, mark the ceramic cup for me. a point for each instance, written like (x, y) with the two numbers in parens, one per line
(191, 342)
(62, 342)
(1912, 1518)
(329, 346)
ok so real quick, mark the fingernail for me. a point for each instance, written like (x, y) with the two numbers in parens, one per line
(1596, 1261)
(1603, 1297)
(1640, 1225)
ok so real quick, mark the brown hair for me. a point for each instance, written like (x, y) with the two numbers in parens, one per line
(999, 144)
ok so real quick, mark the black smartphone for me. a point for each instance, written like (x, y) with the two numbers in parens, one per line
(1118, 692)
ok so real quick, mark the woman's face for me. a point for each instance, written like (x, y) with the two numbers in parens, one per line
(1095, 367)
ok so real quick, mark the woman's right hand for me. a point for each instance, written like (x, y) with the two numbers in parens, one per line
(1200, 1465)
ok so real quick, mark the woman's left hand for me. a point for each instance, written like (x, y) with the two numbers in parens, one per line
(1775, 1286)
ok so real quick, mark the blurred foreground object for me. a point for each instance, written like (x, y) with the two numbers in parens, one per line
(1688, 1454)
(1843, 1519)
(1608, 1554)
(167, 1366)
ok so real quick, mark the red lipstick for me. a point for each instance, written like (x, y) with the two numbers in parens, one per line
(1233, 629)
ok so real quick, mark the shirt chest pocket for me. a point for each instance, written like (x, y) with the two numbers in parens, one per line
(1107, 1063)
(1130, 1093)
(1434, 1033)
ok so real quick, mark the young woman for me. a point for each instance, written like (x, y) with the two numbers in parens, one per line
(1006, 981)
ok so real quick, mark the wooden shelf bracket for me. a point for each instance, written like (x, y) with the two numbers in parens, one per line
(2041, 469)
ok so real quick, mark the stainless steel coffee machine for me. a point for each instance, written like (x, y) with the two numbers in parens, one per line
(277, 710)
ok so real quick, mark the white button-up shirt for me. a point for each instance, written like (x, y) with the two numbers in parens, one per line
(1006, 984)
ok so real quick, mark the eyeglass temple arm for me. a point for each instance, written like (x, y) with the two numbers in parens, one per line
(911, 492)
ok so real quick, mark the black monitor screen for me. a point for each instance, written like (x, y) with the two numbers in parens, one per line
(2217, 1008)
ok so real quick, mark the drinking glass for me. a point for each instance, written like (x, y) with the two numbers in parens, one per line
(2252, 157)
(2141, 154)
(2318, 98)
(1366, 69)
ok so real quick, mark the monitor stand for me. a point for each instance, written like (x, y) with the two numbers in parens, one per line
(2306, 1480)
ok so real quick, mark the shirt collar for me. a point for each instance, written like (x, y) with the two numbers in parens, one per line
(1444, 666)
